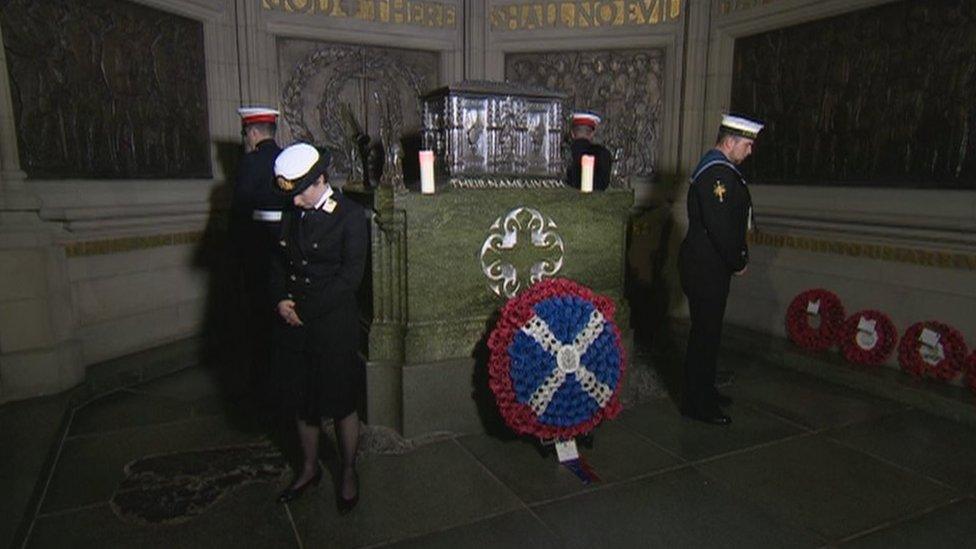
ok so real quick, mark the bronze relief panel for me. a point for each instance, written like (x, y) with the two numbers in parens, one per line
(884, 96)
(106, 89)
(626, 87)
(332, 92)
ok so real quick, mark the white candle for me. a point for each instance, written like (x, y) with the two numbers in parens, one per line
(586, 173)
(427, 172)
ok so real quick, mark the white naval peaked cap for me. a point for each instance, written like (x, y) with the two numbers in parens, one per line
(298, 166)
(296, 160)
(741, 125)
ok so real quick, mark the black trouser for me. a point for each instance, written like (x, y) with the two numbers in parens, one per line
(707, 312)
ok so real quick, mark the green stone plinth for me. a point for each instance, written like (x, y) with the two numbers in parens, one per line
(433, 305)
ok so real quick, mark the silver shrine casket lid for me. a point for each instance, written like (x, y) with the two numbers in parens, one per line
(495, 134)
(491, 87)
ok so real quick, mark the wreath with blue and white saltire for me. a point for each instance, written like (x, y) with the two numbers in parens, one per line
(557, 364)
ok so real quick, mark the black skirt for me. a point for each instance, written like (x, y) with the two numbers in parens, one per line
(317, 366)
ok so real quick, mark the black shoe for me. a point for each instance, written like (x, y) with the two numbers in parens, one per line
(721, 399)
(715, 417)
(294, 492)
(346, 505)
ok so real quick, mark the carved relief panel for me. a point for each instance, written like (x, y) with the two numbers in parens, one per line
(625, 86)
(331, 92)
(107, 89)
(884, 96)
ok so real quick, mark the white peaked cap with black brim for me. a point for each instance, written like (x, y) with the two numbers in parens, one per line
(298, 166)
(737, 124)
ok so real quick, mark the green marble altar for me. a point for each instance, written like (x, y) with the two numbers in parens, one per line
(433, 306)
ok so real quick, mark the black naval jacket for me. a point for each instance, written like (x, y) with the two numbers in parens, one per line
(254, 240)
(601, 167)
(719, 214)
(320, 260)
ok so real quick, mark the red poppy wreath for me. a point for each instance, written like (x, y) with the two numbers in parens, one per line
(932, 349)
(557, 363)
(818, 304)
(867, 338)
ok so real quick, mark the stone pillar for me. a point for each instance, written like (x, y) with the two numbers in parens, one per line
(475, 36)
(11, 176)
(697, 21)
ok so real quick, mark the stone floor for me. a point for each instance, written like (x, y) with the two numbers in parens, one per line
(170, 463)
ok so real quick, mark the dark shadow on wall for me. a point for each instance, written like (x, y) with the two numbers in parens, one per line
(491, 418)
(757, 292)
(651, 280)
(225, 350)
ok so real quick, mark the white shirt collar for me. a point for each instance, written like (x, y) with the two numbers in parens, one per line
(329, 191)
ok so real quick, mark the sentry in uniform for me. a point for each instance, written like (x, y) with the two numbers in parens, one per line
(714, 250)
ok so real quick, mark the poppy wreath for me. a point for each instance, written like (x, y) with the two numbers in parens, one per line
(556, 364)
(971, 371)
(951, 361)
(831, 313)
(867, 348)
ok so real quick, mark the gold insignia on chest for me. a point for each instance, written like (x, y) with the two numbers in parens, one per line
(719, 191)
(330, 205)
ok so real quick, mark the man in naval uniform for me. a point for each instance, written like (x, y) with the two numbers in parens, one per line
(254, 227)
(582, 129)
(714, 250)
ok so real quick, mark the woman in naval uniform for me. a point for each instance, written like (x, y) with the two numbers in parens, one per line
(318, 267)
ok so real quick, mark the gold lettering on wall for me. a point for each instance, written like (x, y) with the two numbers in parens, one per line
(582, 14)
(418, 13)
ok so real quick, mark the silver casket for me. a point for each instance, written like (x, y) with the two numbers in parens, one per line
(495, 134)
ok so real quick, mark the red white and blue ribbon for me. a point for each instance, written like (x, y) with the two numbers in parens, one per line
(556, 360)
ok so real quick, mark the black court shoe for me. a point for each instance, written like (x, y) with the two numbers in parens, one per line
(294, 492)
(346, 505)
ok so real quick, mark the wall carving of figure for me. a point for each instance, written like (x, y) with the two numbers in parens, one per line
(625, 86)
(106, 89)
(325, 76)
(356, 146)
(884, 96)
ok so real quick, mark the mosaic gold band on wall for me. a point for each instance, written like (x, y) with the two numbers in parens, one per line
(131, 243)
(582, 14)
(914, 256)
(418, 13)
